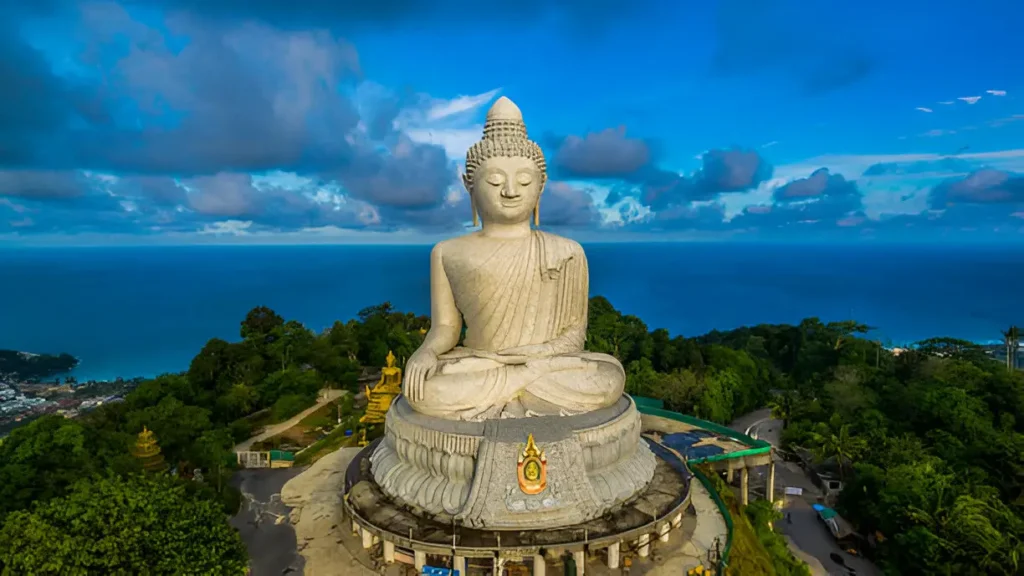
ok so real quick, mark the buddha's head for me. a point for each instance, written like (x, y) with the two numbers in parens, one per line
(505, 171)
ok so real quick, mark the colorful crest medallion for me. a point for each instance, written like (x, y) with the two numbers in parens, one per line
(532, 469)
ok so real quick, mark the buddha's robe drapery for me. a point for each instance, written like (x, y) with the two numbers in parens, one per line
(513, 293)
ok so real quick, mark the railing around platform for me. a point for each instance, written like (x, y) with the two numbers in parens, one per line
(655, 407)
(723, 560)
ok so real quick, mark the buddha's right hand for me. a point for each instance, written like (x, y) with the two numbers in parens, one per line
(420, 367)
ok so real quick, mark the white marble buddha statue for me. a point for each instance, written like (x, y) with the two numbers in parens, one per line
(522, 293)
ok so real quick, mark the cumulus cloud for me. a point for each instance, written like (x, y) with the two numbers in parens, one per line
(406, 175)
(179, 115)
(605, 154)
(565, 205)
(42, 184)
(721, 172)
(820, 184)
(248, 97)
(986, 186)
(945, 164)
(822, 199)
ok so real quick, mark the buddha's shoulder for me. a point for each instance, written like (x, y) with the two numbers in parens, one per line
(563, 244)
(458, 247)
(452, 245)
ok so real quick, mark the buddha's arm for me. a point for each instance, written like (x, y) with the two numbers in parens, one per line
(574, 337)
(445, 319)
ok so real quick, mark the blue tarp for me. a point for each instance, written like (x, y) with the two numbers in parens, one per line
(669, 457)
(433, 571)
(683, 442)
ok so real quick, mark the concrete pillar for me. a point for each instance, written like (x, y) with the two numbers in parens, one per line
(367, 539)
(771, 482)
(678, 520)
(389, 552)
(355, 527)
(613, 556)
(420, 559)
(744, 485)
(459, 565)
(538, 565)
(663, 532)
(580, 558)
(729, 475)
(644, 546)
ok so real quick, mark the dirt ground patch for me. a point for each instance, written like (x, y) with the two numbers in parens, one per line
(307, 432)
(315, 499)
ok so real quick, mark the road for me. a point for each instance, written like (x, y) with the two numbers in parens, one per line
(263, 522)
(806, 534)
(326, 396)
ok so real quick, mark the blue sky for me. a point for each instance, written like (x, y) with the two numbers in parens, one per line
(270, 121)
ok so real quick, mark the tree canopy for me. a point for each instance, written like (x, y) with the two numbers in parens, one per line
(115, 525)
(929, 442)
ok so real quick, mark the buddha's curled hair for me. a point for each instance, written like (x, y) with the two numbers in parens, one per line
(504, 137)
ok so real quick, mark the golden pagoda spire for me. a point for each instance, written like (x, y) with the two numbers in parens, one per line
(147, 450)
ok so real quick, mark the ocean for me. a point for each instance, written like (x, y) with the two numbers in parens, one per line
(142, 311)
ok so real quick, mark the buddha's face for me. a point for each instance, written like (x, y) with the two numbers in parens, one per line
(506, 190)
(532, 471)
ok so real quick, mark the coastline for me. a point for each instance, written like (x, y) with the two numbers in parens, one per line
(112, 376)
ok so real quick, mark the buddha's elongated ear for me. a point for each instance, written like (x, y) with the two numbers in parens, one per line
(536, 214)
(466, 181)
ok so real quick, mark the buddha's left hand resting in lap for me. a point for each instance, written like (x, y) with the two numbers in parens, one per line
(523, 295)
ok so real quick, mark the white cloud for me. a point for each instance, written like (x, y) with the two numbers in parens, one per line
(770, 144)
(996, 92)
(625, 211)
(969, 99)
(736, 202)
(450, 124)
(227, 228)
(947, 102)
(923, 109)
(455, 141)
(440, 109)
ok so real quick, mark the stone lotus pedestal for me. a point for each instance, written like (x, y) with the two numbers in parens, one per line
(467, 471)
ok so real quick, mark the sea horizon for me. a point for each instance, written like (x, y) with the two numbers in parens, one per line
(138, 311)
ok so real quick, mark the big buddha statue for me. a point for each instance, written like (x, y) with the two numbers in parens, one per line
(519, 427)
(521, 292)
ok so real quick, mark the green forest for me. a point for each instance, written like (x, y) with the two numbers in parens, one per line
(20, 366)
(928, 442)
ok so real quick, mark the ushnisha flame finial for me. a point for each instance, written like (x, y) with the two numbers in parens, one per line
(504, 136)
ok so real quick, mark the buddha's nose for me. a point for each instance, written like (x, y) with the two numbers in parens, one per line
(509, 191)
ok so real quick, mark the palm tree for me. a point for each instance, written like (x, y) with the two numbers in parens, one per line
(1011, 339)
(782, 406)
(842, 445)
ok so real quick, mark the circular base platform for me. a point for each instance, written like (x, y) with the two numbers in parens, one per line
(472, 473)
(659, 505)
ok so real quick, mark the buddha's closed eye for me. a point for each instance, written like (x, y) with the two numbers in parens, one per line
(524, 178)
(495, 178)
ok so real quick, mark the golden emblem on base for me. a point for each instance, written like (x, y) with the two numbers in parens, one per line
(532, 469)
